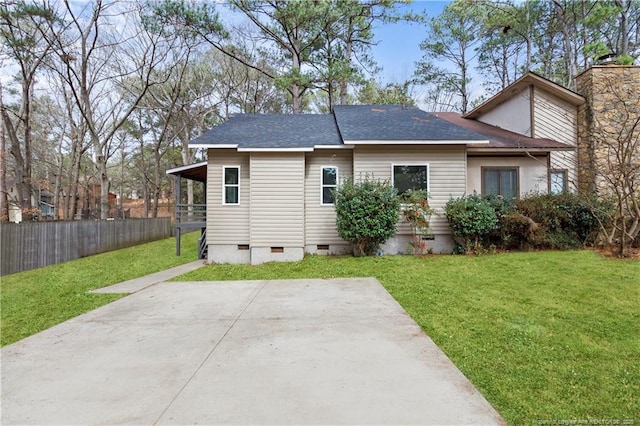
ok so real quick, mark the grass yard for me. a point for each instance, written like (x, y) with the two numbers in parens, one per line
(32, 301)
(545, 336)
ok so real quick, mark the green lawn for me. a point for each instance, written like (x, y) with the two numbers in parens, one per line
(35, 300)
(544, 336)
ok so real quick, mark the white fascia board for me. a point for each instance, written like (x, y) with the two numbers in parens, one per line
(332, 147)
(188, 167)
(418, 142)
(275, 149)
(213, 146)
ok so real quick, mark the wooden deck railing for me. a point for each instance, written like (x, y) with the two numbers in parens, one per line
(190, 217)
(191, 213)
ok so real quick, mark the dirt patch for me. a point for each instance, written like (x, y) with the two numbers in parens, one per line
(612, 252)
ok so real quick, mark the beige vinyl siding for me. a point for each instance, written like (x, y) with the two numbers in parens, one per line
(514, 114)
(320, 220)
(554, 118)
(447, 173)
(227, 224)
(532, 172)
(566, 160)
(277, 199)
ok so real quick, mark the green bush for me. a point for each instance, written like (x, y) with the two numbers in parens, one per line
(563, 221)
(518, 231)
(567, 219)
(471, 219)
(366, 213)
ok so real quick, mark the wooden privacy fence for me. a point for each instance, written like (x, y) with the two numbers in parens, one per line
(31, 245)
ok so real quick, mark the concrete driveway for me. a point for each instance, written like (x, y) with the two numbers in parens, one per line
(338, 351)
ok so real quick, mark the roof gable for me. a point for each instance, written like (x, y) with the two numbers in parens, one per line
(529, 79)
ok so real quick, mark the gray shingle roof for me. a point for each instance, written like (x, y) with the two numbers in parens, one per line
(397, 123)
(274, 131)
(351, 123)
(501, 138)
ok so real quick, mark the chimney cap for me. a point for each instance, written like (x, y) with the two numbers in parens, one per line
(608, 59)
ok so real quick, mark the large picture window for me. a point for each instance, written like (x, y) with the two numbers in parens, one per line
(500, 181)
(329, 184)
(410, 176)
(231, 185)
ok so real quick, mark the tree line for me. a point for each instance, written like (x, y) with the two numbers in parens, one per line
(108, 94)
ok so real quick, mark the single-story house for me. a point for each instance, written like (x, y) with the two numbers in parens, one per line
(269, 177)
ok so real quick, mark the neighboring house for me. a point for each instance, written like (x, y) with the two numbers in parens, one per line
(41, 200)
(269, 177)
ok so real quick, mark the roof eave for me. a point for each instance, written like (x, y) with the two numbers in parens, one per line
(520, 150)
(213, 145)
(416, 142)
(187, 167)
(298, 149)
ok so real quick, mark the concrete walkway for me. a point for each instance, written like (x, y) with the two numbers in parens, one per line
(137, 284)
(338, 351)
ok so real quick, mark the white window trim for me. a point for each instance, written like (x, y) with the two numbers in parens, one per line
(393, 165)
(224, 185)
(322, 186)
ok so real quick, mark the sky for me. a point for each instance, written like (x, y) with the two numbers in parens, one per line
(398, 45)
(396, 51)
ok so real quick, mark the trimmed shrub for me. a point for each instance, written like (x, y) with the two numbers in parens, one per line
(366, 213)
(471, 219)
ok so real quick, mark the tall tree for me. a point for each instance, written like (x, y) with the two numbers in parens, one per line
(506, 47)
(4, 201)
(452, 38)
(108, 72)
(295, 28)
(344, 51)
(374, 92)
(24, 29)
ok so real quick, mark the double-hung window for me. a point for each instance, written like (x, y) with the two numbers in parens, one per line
(557, 181)
(410, 176)
(501, 181)
(328, 184)
(231, 185)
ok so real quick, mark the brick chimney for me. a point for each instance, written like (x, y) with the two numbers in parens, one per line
(612, 95)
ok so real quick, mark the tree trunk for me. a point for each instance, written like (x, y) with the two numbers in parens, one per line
(156, 182)
(623, 44)
(344, 83)
(104, 187)
(74, 182)
(4, 202)
(27, 187)
(463, 86)
(295, 86)
(58, 188)
(567, 37)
